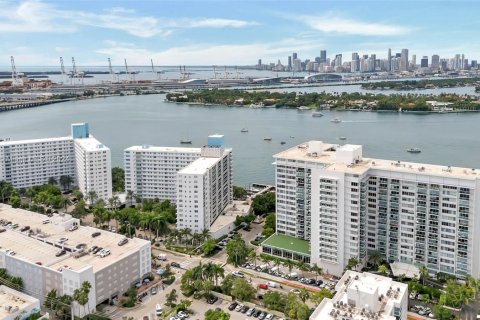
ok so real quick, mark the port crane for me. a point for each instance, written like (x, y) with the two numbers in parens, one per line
(215, 72)
(184, 73)
(112, 73)
(16, 81)
(226, 73)
(62, 70)
(130, 75)
(75, 73)
(158, 74)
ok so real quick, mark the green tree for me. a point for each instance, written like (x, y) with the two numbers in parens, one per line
(274, 300)
(77, 194)
(375, 258)
(227, 285)
(6, 189)
(130, 197)
(317, 270)
(208, 246)
(304, 295)
(441, 313)
(15, 201)
(52, 181)
(269, 227)
(318, 296)
(237, 251)
(79, 211)
(80, 295)
(92, 197)
(66, 182)
(242, 290)
(383, 269)
(239, 193)
(171, 298)
(423, 273)
(264, 203)
(216, 314)
(352, 264)
(118, 179)
(65, 202)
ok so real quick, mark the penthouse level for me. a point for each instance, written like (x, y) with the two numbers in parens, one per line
(49, 256)
(345, 206)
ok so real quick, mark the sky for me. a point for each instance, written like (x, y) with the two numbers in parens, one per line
(230, 32)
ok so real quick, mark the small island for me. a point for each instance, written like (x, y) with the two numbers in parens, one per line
(443, 103)
(422, 84)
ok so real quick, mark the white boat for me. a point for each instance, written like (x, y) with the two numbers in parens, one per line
(342, 138)
(336, 120)
(267, 139)
(303, 108)
(414, 150)
(317, 114)
(257, 105)
(244, 130)
(186, 141)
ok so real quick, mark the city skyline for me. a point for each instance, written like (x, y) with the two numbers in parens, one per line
(37, 32)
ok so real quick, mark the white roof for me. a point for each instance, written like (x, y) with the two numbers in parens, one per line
(91, 144)
(199, 166)
(30, 141)
(409, 270)
(149, 148)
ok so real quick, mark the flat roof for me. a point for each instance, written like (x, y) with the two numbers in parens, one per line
(44, 243)
(29, 141)
(91, 144)
(149, 148)
(199, 166)
(289, 243)
(15, 299)
(327, 158)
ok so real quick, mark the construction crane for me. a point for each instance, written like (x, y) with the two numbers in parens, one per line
(111, 70)
(16, 81)
(74, 70)
(126, 70)
(215, 72)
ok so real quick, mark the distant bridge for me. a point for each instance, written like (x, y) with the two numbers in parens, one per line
(28, 104)
(317, 77)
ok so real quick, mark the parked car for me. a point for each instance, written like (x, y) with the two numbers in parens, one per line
(25, 228)
(158, 309)
(232, 306)
(2, 230)
(244, 309)
(262, 315)
(250, 311)
(239, 307)
(62, 240)
(296, 291)
(257, 313)
(238, 274)
(46, 221)
(272, 284)
(95, 234)
(212, 300)
(97, 250)
(123, 241)
(153, 290)
(175, 264)
(162, 257)
(182, 315)
(269, 316)
(60, 253)
(92, 249)
(263, 286)
(73, 228)
(104, 253)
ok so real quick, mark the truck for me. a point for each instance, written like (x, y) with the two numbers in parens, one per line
(162, 257)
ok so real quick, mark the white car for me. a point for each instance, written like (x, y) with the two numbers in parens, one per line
(158, 309)
(269, 316)
(272, 284)
(296, 291)
(46, 221)
(73, 228)
(183, 315)
(11, 252)
(104, 253)
(237, 274)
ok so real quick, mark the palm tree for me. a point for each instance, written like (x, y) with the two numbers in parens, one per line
(130, 197)
(252, 257)
(160, 225)
(186, 234)
(303, 266)
(80, 295)
(196, 239)
(317, 270)
(92, 196)
(6, 189)
(205, 234)
(352, 263)
(277, 262)
(66, 181)
(423, 273)
(30, 193)
(289, 264)
(304, 295)
(383, 269)
(65, 202)
(375, 258)
(266, 259)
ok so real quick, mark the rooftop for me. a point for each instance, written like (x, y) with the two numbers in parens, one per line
(292, 244)
(13, 302)
(91, 144)
(230, 213)
(363, 296)
(325, 155)
(16, 142)
(41, 246)
(199, 166)
(149, 148)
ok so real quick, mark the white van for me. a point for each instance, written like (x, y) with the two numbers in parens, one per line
(272, 284)
(162, 257)
(158, 309)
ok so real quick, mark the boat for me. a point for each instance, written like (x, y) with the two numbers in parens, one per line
(283, 142)
(317, 114)
(414, 150)
(257, 106)
(244, 130)
(336, 120)
(291, 137)
(186, 141)
(267, 139)
(303, 108)
(342, 138)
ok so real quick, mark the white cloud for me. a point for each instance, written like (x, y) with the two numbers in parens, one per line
(332, 23)
(37, 16)
(205, 54)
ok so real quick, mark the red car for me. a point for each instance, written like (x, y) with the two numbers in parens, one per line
(263, 286)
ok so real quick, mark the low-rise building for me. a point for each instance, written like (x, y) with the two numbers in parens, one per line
(17, 305)
(53, 255)
(365, 296)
